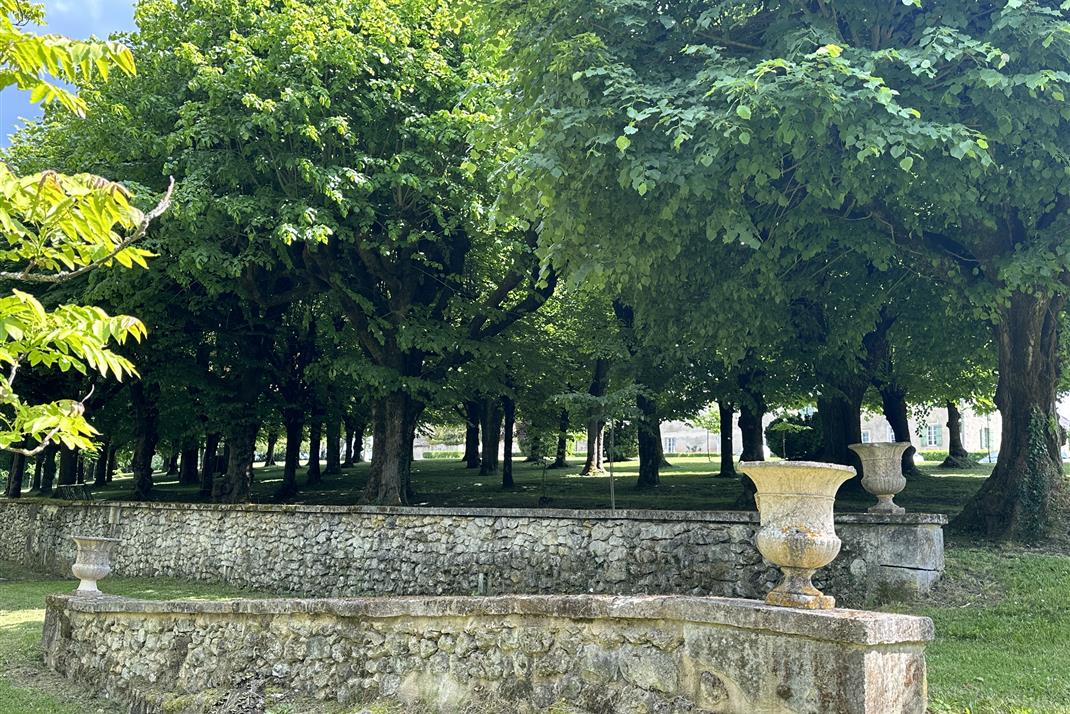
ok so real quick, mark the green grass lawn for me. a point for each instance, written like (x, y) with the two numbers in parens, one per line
(690, 483)
(1002, 620)
(26, 687)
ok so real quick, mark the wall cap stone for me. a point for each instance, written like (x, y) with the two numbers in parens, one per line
(938, 519)
(857, 627)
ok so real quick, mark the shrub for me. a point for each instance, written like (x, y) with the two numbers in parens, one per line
(794, 437)
(443, 455)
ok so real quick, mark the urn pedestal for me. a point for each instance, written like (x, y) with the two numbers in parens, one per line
(796, 534)
(882, 472)
(92, 563)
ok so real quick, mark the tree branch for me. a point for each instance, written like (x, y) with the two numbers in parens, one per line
(138, 234)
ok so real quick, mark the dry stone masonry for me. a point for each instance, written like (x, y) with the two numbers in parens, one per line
(322, 551)
(592, 654)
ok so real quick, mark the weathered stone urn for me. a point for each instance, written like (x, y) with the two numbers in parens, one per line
(797, 534)
(92, 563)
(882, 472)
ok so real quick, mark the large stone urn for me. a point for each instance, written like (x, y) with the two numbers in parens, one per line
(882, 472)
(92, 563)
(797, 534)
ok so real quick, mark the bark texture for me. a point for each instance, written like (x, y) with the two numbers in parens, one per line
(208, 463)
(146, 435)
(471, 434)
(491, 428)
(561, 453)
(315, 439)
(1018, 499)
(241, 447)
(728, 459)
(334, 437)
(391, 467)
(957, 456)
(649, 437)
(509, 410)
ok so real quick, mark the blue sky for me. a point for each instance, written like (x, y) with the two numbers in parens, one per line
(74, 18)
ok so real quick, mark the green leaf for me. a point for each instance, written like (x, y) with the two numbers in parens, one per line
(743, 111)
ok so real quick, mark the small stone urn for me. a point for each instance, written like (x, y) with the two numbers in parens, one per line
(882, 472)
(92, 563)
(796, 534)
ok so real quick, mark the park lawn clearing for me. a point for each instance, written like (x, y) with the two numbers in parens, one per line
(690, 484)
(1002, 619)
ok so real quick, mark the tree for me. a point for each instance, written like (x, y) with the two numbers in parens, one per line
(931, 129)
(56, 229)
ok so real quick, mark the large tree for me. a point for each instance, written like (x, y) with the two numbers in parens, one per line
(936, 126)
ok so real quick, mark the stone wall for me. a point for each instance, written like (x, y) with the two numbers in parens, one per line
(352, 551)
(587, 653)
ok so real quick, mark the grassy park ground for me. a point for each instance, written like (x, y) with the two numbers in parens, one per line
(1002, 620)
(691, 483)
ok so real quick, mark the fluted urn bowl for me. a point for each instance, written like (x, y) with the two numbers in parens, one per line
(92, 563)
(882, 472)
(797, 534)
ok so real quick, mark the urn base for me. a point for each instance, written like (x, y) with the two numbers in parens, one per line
(796, 590)
(886, 505)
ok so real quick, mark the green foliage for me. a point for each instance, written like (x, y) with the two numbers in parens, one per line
(443, 455)
(1040, 480)
(794, 436)
(56, 228)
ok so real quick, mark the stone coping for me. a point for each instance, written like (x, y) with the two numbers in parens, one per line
(939, 519)
(858, 627)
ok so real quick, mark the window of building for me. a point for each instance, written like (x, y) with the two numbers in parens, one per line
(934, 435)
(986, 438)
(670, 444)
(891, 434)
(866, 438)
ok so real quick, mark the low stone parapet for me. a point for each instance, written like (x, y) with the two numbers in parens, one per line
(595, 654)
(353, 551)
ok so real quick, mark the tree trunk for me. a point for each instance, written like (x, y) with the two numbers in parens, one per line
(100, 471)
(394, 431)
(561, 456)
(957, 456)
(15, 474)
(649, 437)
(750, 424)
(315, 439)
(68, 466)
(187, 473)
(272, 441)
(334, 437)
(471, 434)
(595, 425)
(146, 424)
(1018, 499)
(235, 484)
(894, 405)
(294, 422)
(48, 469)
(492, 436)
(728, 457)
(509, 407)
(79, 469)
(347, 443)
(112, 454)
(664, 462)
(593, 463)
(358, 440)
(208, 463)
(840, 412)
(38, 467)
(172, 464)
